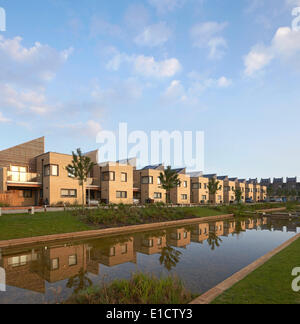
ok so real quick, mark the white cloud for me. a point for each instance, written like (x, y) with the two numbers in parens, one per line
(286, 42)
(117, 59)
(223, 82)
(88, 129)
(207, 35)
(24, 74)
(164, 6)
(100, 26)
(145, 66)
(24, 101)
(154, 35)
(285, 45)
(293, 3)
(123, 91)
(176, 93)
(137, 16)
(35, 65)
(258, 58)
(3, 119)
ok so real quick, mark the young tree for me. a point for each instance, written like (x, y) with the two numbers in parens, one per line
(238, 195)
(80, 168)
(213, 186)
(169, 180)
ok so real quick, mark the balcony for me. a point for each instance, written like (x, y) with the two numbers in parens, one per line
(23, 177)
(93, 182)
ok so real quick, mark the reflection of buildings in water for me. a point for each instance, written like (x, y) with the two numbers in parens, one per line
(217, 228)
(57, 263)
(28, 269)
(229, 228)
(250, 223)
(243, 225)
(292, 228)
(116, 254)
(179, 238)
(19, 268)
(150, 245)
(258, 222)
(200, 233)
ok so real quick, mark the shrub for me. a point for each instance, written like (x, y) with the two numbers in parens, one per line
(140, 289)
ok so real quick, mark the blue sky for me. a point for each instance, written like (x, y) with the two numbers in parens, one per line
(228, 68)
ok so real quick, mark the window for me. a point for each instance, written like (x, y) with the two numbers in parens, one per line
(112, 252)
(124, 249)
(18, 174)
(55, 264)
(72, 260)
(148, 243)
(158, 181)
(124, 177)
(185, 235)
(196, 186)
(157, 195)
(68, 193)
(204, 197)
(121, 194)
(185, 184)
(108, 176)
(184, 197)
(51, 170)
(159, 241)
(27, 193)
(18, 261)
(147, 180)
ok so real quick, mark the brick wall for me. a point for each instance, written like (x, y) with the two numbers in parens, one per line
(15, 198)
(23, 154)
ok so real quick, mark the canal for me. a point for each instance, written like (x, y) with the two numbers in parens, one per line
(202, 255)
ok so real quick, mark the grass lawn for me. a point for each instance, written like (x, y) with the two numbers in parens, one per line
(22, 226)
(270, 284)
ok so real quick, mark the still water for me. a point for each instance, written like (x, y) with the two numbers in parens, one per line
(202, 255)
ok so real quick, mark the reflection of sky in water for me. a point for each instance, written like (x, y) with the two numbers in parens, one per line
(200, 267)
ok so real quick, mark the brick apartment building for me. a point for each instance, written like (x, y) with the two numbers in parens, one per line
(29, 176)
(281, 187)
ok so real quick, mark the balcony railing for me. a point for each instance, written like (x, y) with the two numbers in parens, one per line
(92, 182)
(23, 177)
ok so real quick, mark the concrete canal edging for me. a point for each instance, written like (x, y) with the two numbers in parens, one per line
(108, 231)
(271, 210)
(218, 290)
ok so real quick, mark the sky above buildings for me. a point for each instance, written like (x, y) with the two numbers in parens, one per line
(229, 68)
